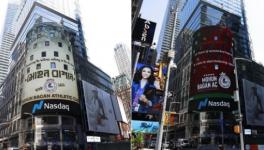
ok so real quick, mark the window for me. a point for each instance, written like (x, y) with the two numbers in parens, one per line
(47, 43)
(43, 54)
(28, 69)
(31, 57)
(69, 48)
(67, 57)
(67, 121)
(52, 34)
(56, 54)
(35, 45)
(60, 44)
(38, 66)
(52, 65)
(49, 120)
(65, 67)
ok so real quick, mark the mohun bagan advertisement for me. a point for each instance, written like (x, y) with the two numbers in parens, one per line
(49, 72)
(212, 72)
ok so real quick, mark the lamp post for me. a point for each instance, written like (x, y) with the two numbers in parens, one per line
(32, 128)
(236, 96)
(171, 54)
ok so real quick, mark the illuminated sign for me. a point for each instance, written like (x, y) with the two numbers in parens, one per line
(51, 106)
(212, 70)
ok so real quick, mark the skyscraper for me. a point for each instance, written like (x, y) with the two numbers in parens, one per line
(7, 40)
(171, 22)
(123, 60)
(193, 15)
(49, 58)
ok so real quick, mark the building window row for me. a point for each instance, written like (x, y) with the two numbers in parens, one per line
(44, 54)
(52, 66)
(47, 43)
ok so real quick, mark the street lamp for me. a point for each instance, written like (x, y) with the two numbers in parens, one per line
(236, 97)
(32, 127)
(171, 54)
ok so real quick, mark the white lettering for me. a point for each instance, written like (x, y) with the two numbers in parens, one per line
(216, 104)
(56, 106)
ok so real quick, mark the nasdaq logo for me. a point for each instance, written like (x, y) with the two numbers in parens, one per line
(37, 106)
(203, 104)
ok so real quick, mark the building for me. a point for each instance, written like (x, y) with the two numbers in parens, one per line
(123, 60)
(135, 9)
(171, 22)
(193, 15)
(7, 40)
(122, 88)
(50, 78)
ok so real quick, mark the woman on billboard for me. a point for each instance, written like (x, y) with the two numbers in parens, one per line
(144, 89)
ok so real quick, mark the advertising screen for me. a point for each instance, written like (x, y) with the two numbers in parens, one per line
(145, 126)
(212, 70)
(144, 91)
(144, 31)
(254, 103)
(99, 110)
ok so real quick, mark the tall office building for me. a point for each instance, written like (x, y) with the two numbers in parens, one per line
(7, 40)
(49, 79)
(171, 22)
(195, 14)
(123, 60)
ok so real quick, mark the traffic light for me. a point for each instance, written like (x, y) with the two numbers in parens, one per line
(237, 129)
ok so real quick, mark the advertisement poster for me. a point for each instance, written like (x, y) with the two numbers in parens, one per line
(144, 91)
(99, 110)
(254, 103)
(145, 126)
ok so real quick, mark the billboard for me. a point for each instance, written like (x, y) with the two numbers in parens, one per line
(212, 70)
(145, 87)
(144, 31)
(254, 103)
(51, 106)
(48, 76)
(151, 127)
(99, 110)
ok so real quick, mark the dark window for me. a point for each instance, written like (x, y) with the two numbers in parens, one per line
(67, 57)
(49, 120)
(35, 45)
(43, 54)
(60, 44)
(52, 34)
(38, 66)
(67, 121)
(56, 54)
(28, 69)
(69, 48)
(31, 57)
(65, 67)
(47, 43)
(52, 65)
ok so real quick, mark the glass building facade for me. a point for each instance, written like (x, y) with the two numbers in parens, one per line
(205, 127)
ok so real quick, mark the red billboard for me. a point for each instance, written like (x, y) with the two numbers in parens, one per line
(212, 71)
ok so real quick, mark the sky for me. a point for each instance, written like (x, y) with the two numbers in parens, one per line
(105, 24)
(154, 10)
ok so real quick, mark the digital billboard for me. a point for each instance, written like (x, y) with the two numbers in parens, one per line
(99, 110)
(144, 31)
(212, 70)
(151, 127)
(145, 87)
(254, 103)
(49, 72)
